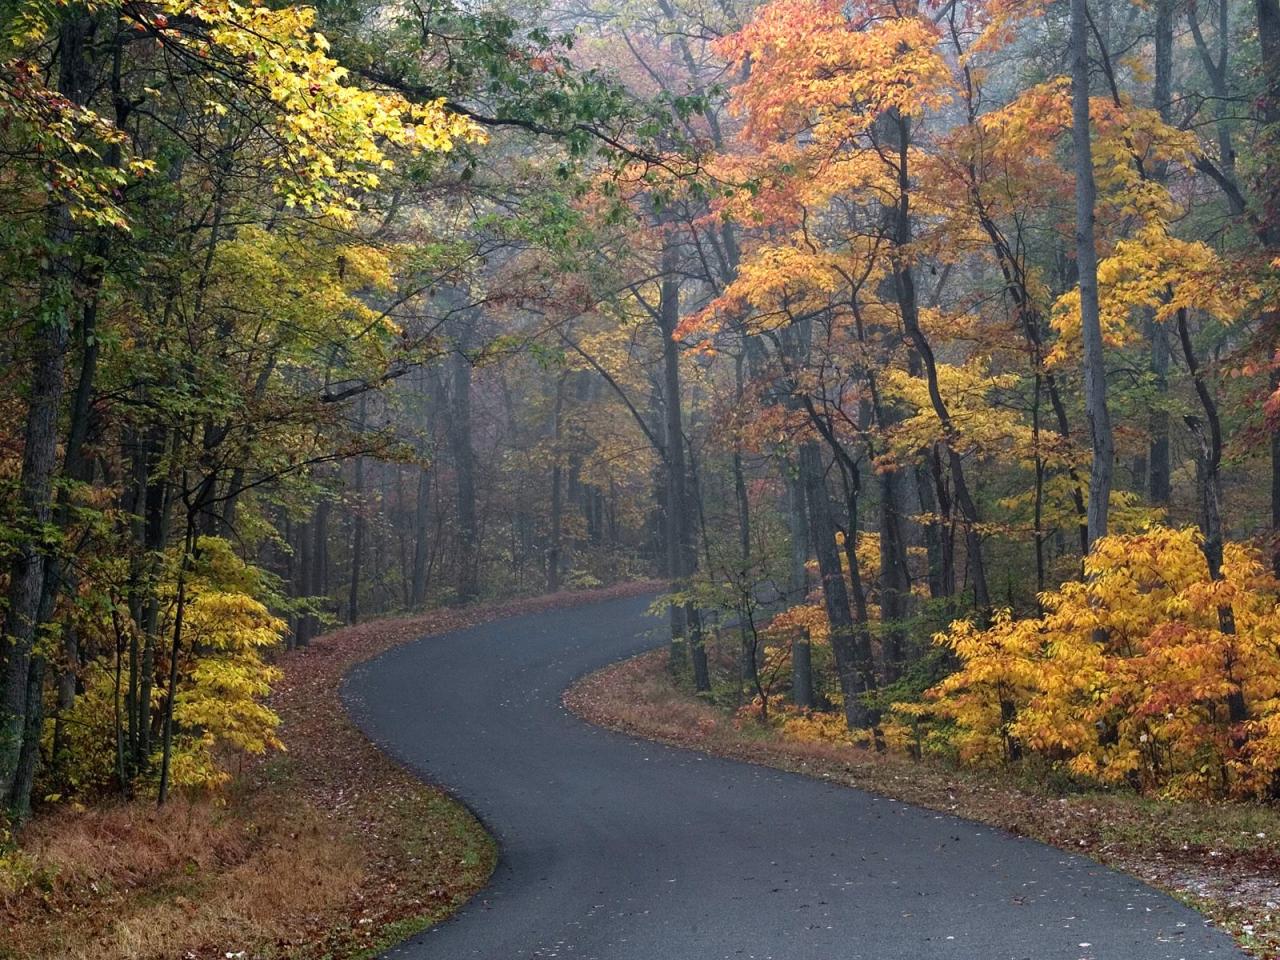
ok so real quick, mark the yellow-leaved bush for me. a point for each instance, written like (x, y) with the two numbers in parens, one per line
(220, 701)
(220, 709)
(1129, 676)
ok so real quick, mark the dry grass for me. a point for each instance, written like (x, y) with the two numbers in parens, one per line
(195, 878)
(1223, 859)
(329, 851)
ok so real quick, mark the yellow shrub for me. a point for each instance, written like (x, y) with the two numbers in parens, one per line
(1127, 677)
(809, 726)
(223, 682)
(220, 702)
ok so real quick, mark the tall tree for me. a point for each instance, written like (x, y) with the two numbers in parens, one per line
(1097, 414)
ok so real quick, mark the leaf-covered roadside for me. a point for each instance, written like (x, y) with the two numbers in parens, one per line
(1223, 859)
(329, 851)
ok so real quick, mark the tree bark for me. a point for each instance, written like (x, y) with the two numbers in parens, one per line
(305, 581)
(1208, 434)
(679, 507)
(357, 535)
(905, 289)
(464, 468)
(175, 651)
(1158, 464)
(40, 447)
(798, 588)
(850, 645)
(557, 493)
(1095, 374)
(421, 538)
(1268, 15)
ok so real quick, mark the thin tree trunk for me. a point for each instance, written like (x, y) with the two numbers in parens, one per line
(320, 551)
(421, 538)
(850, 645)
(1159, 470)
(798, 586)
(1037, 519)
(175, 650)
(1208, 433)
(464, 467)
(79, 468)
(305, 582)
(1095, 373)
(157, 504)
(679, 504)
(557, 493)
(1268, 16)
(1158, 464)
(905, 289)
(895, 577)
(933, 533)
(357, 535)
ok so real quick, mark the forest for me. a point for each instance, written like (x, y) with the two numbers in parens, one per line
(926, 351)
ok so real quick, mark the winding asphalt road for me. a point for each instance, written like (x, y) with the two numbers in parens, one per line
(619, 849)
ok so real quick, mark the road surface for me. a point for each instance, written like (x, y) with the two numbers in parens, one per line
(613, 848)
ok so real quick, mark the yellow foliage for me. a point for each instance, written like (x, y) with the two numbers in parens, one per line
(1159, 272)
(810, 726)
(223, 680)
(1130, 675)
(327, 138)
(219, 704)
(967, 390)
(331, 136)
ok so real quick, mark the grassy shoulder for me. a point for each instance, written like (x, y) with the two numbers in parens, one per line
(1223, 859)
(329, 851)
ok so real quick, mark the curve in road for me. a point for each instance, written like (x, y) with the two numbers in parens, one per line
(619, 849)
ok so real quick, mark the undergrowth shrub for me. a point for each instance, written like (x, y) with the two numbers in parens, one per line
(1148, 673)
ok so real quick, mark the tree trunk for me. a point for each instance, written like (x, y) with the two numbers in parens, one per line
(934, 533)
(905, 290)
(175, 650)
(464, 467)
(157, 504)
(421, 538)
(557, 493)
(317, 570)
(895, 577)
(305, 581)
(1268, 177)
(26, 572)
(1268, 14)
(1030, 322)
(798, 589)
(679, 506)
(1208, 434)
(320, 551)
(40, 446)
(79, 468)
(850, 645)
(1095, 373)
(1158, 464)
(357, 535)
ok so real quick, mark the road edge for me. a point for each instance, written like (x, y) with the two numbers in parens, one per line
(693, 725)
